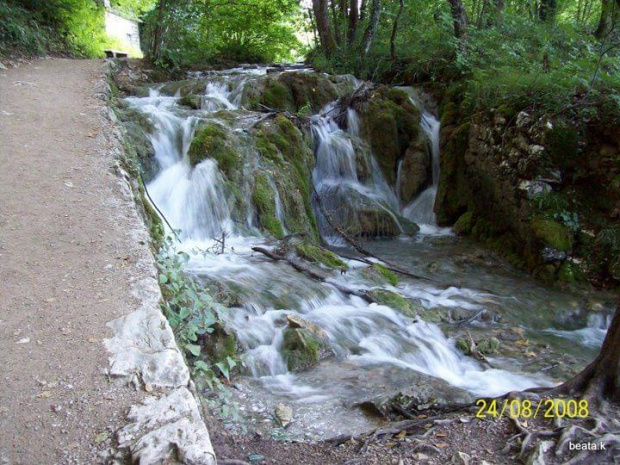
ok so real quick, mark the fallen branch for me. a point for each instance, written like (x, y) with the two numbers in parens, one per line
(313, 274)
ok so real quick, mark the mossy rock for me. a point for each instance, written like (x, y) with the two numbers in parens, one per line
(317, 254)
(379, 274)
(288, 154)
(277, 96)
(183, 88)
(464, 224)
(301, 349)
(263, 198)
(552, 233)
(396, 301)
(192, 101)
(213, 141)
(486, 346)
(221, 344)
(389, 127)
(570, 273)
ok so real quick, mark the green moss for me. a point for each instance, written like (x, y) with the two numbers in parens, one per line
(316, 254)
(387, 274)
(463, 225)
(571, 273)
(283, 145)
(552, 233)
(395, 301)
(277, 96)
(264, 199)
(562, 144)
(545, 273)
(212, 141)
(192, 101)
(301, 349)
(390, 127)
(220, 344)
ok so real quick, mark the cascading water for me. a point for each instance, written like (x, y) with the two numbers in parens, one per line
(364, 338)
(421, 210)
(335, 175)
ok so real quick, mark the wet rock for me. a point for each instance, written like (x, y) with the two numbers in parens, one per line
(411, 391)
(397, 302)
(415, 170)
(552, 233)
(549, 254)
(302, 349)
(535, 189)
(284, 414)
(296, 321)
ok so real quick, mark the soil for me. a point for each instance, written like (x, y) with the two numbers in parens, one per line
(66, 256)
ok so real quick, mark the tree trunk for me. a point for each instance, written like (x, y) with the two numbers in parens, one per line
(353, 17)
(601, 379)
(363, 9)
(546, 10)
(335, 22)
(395, 30)
(459, 17)
(371, 30)
(321, 16)
(610, 16)
(157, 33)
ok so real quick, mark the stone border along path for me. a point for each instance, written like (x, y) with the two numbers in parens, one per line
(76, 278)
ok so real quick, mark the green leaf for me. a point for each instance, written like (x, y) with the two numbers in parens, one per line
(193, 349)
(224, 369)
(163, 279)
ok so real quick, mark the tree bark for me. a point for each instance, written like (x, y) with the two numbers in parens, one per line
(395, 30)
(157, 33)
(321, 16)
(459, 17)
(371, 29)
(610, 16)
(353, 17)
(335, 22)
(546, 10)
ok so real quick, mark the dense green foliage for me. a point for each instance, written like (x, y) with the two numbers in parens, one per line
(70, 27)
(191, 32)
(507, 56)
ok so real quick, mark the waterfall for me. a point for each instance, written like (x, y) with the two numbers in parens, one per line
(197, 200)
(421, 209)
(336, 179)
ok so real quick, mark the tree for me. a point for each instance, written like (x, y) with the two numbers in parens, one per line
(371, 29)
(547, 10)
(395, 30)
(459, 18)
(610, 16)
(321, 17)
(353, 17)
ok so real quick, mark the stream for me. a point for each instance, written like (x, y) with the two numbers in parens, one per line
(546, 334)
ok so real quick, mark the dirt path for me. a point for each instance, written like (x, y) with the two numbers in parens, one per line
(66, 264)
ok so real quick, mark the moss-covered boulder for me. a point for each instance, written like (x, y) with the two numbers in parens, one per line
(263, 197)
(183, 88)
(285, 151)
(192, 101)
(221, 344)
(397, 302)
(552, 233)
(416, 172)
(293, 91)
(213, 141)
(390, 123)
(464, 224)
(316, 254)
(379, 274)
(302, 349)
